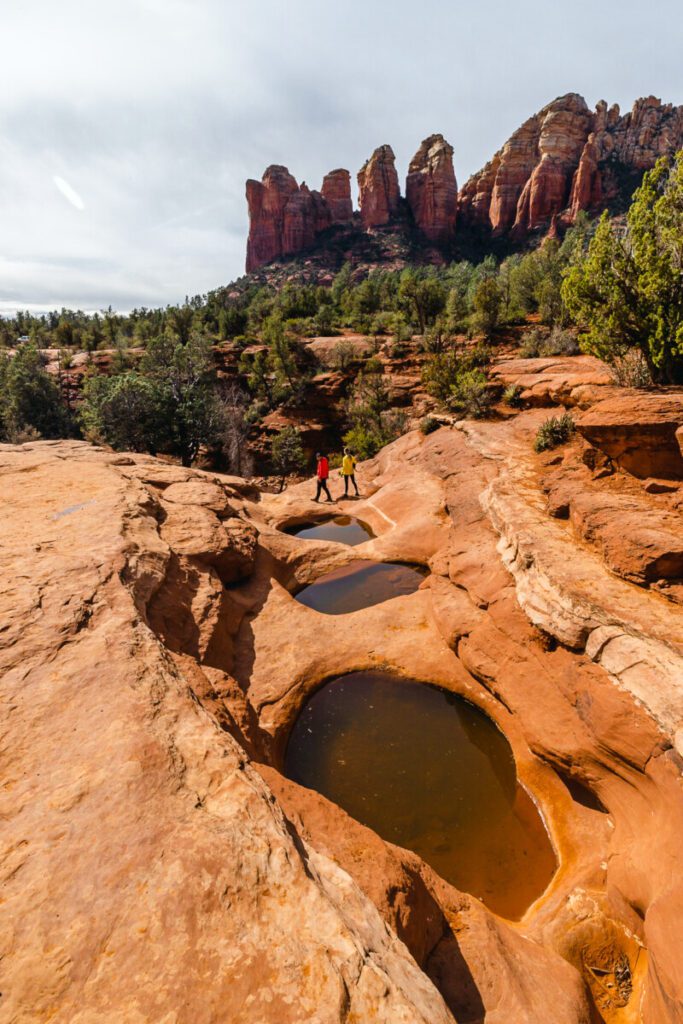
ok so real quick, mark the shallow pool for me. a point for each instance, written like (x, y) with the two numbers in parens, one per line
(360, 584)
(342, 529)
(430, 772)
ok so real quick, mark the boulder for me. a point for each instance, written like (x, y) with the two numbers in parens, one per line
(196, 532)
(200, 492)
(638, 431)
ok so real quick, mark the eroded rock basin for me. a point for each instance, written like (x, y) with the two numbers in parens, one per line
(341, 529)
(361, 584)
(427, 771)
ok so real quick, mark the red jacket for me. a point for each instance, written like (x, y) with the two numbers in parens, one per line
(323, 468)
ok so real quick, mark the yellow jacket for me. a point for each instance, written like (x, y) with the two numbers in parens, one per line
(348, 465)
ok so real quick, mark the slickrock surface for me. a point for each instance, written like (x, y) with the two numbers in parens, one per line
(379, 192)
(556, 380)
(147, 873)
(157, 866)
(432, 191)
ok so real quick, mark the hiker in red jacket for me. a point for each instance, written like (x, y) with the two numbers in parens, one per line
(322, 474)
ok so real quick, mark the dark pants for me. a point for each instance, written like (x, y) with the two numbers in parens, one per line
(352, 478)
(322, 486)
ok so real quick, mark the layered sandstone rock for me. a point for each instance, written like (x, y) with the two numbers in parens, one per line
(156, 864)
(638, 430)
(336, 191)
(379, 192)
(148, 874)
(566, 159)
(266, 200)
(285, 218)
(432, 191)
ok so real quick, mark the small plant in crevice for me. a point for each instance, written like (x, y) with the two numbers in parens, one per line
(554, 432)
(512, 396)
(428, 424)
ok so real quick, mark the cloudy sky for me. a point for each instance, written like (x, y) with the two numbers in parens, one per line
(128, 128)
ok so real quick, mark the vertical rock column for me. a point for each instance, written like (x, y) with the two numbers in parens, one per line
(432, 191)
(267, 200)
(378, 187)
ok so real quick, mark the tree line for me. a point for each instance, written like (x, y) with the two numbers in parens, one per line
(618, 284)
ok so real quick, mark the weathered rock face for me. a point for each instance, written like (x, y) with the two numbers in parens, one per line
(638, 431)
(285, 218)
(379, 192)
(566, 159)
(157, 866)
(336, 191)
(267, 200)
(432, 191)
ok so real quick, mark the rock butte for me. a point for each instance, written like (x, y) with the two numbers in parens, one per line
(564, 159)
(157, 865)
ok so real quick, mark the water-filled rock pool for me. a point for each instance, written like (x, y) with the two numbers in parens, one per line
(360, 584)
(430, 772)
(342, 529)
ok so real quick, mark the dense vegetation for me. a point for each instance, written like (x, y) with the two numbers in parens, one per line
(620, 285)
(628, 290)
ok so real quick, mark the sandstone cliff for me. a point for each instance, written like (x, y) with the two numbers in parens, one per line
(432, 191)
(285, 218)
(567, 158)
(564, 159)
(378, 188)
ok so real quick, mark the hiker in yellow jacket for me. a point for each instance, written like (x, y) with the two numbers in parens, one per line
(349, 472)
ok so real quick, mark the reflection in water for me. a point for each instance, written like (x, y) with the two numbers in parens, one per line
(342, 529)
(428, 771)
(360, 584)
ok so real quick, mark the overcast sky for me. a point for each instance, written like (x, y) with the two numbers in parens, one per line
(128, 128)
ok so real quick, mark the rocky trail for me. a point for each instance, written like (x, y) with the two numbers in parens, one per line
(157, 865)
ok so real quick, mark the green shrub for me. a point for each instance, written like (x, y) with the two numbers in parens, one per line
(470, 395)
(631, 370)
(531, 344)
(512, 396)
(554, 432)
(287, 453)
(560, 343)
(428, 424)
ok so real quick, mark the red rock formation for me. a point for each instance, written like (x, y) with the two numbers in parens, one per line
(267, 200)
(284, 218)
(566, 159)
(639, 432)
(379, 189)
(336, 192)
(431, 189)
(563, 133)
